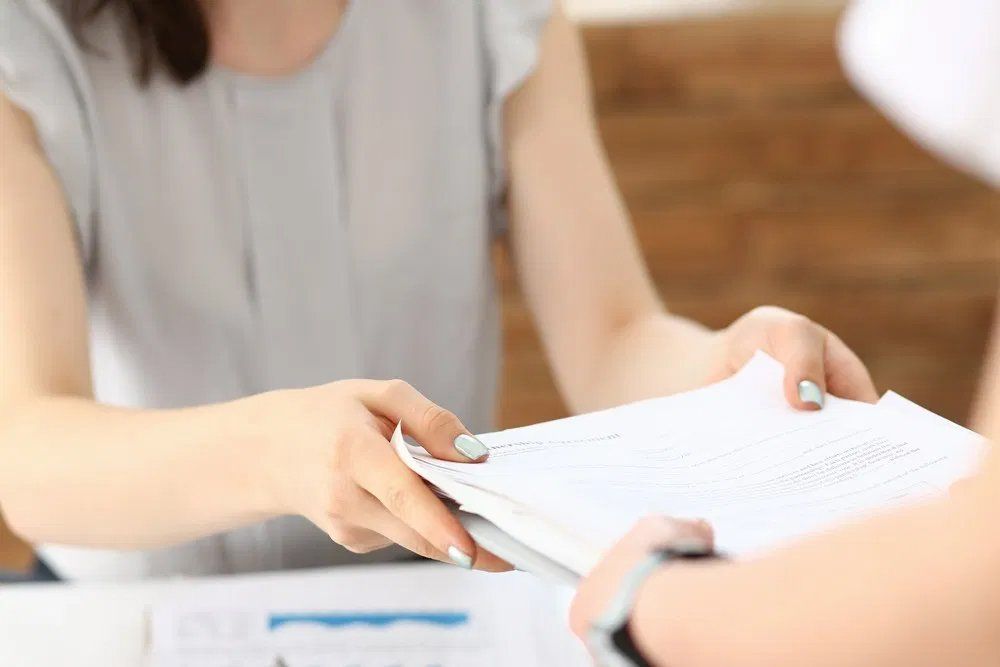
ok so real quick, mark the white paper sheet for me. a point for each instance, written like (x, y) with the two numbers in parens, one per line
(371, 616)
(734, 453)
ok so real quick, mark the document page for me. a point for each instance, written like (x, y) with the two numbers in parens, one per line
(368, 616)
(733, 453)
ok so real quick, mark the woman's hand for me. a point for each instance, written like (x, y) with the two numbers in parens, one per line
(816, 361)
(598, 588)
(327, 456)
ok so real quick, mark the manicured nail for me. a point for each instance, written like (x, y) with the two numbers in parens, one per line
(809, 392)
(470, 447)
(460, 558)
(690, 545)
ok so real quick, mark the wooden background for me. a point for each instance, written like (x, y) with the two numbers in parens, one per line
(755, 175)
(15, 555)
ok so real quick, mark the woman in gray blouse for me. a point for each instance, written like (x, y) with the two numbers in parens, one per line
(226, 225)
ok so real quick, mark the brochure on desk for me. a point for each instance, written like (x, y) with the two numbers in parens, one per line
(408, 615)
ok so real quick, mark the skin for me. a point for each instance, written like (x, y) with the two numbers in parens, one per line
(312, 451)
(917, 587)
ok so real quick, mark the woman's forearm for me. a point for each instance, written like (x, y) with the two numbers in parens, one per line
(915, 587)
(77, 472)
(654, 354)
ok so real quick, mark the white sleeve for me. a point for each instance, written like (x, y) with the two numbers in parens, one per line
(40, 73)
(512, 31)
(933, 67)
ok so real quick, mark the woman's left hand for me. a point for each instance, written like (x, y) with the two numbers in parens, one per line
(816, 361)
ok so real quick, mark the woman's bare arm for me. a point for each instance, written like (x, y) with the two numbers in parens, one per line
(75, 471)
(608, 337)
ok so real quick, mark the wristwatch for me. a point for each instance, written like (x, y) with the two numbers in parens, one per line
(609, 638)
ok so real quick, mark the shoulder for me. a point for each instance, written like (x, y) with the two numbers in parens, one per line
(512, 31)
(40, 63)
(42, 75)
(34, 26)
(514, 13)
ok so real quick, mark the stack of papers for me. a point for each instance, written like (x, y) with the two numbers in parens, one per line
(734, 453)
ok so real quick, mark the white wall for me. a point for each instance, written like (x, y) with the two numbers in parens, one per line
(618, 10)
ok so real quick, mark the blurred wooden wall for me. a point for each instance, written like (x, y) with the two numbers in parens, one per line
(15, 555)
(755, 175)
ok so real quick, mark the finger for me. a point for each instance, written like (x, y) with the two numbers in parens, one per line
(376, 518)
(379, 471)
(344, 529)
(359, 540)
(355, 539)
(650, 533)
(846, 375)
(962, 487)
(490, 562)
(383, 522)
(653, 532)
(439, 431)
(800, 346)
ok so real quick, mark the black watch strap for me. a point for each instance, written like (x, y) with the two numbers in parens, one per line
(623, 642)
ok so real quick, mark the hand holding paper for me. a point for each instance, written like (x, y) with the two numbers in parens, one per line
(733, 453)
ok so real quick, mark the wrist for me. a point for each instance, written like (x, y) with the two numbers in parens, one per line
(648, 623)
(696, 350)
(247, 456)
(621, 634)
(665, 612)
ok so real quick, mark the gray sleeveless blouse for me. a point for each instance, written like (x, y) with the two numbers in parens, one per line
(242, 234)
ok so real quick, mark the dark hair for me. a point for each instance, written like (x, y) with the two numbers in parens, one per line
(168, 34)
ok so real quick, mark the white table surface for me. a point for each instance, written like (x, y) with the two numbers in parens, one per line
(106, 625)
(87, 625)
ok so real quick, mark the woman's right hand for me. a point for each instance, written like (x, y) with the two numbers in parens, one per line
(326, 455)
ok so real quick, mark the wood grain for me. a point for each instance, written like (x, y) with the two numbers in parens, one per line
(15, 555)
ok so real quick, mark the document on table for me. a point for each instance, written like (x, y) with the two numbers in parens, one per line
(367, 616)
(733, 453)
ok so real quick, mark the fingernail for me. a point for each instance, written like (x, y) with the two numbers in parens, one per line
(460, 558)
(809, 392)
(470, 447)
(691, 545)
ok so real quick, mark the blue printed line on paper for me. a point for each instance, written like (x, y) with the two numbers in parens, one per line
(373, 619)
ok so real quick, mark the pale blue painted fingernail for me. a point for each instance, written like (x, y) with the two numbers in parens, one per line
(460, 558)
(470, 447)
(809, 392)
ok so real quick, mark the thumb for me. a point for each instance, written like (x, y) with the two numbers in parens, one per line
(437, 430)
(846, 373)
(805, 376)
